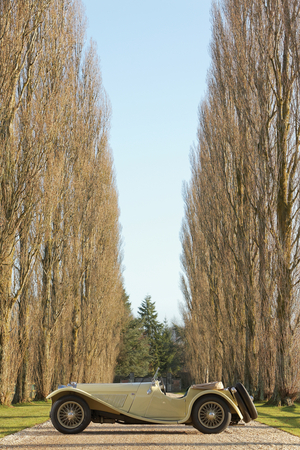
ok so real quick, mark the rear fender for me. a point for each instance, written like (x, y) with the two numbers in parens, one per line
(232, 406)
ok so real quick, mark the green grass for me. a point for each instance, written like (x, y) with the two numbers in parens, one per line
(286, 418)
(24, 415)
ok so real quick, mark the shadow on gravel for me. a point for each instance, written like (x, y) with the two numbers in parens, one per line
(241, 445)
(141, 432)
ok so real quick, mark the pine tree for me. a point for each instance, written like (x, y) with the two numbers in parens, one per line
(162, 343)
(167, 349)
(134, 350)
(152, 330)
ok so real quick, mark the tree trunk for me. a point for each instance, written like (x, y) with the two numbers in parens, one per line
(6, 303)
(5, 362)
(45, 364)
(283, 378)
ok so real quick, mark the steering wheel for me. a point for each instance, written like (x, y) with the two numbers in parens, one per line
(162, 386)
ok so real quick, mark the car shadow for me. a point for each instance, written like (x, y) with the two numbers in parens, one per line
(228, 445)
(139, 432)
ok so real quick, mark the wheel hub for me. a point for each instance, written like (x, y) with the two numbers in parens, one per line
(211, 415)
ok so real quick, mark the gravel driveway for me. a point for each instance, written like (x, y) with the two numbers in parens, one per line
(139, 437)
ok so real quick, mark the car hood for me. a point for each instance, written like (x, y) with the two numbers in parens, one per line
(114, 394)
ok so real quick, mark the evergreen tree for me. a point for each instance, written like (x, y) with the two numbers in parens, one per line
(146, 343)
(152, 330)
(167, 348)
(134, 350)
(161, 337)
(148, 315)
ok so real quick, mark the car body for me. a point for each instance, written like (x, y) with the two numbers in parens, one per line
(208, 407)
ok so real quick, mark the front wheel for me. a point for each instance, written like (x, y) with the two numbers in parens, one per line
(211, 414)
(70, 414)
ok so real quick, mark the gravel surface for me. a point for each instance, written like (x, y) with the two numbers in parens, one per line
(128, 437)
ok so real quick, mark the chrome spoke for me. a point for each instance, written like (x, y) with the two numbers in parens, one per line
(70, 414)
(211, 415)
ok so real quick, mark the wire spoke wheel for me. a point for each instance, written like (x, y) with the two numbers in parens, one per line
(70, 414)
(211, 415)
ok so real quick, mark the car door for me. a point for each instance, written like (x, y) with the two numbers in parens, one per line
(141, 400)
(164, 407)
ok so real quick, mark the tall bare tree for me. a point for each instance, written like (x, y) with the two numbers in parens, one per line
(21, 158)
(60, 257)
(244, 192)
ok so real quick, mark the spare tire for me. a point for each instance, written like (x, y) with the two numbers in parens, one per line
(243, 408)
(247, 400)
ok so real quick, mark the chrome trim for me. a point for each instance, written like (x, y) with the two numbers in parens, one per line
(155, 376)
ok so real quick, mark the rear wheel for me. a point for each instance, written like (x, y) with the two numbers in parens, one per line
(211, 414)
(70, 414)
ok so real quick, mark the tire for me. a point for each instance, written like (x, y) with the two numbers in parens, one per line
(247, 400)
(211, 414)
(243, 408)
(70, 414)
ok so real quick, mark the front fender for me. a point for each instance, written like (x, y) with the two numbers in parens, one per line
(93, 402)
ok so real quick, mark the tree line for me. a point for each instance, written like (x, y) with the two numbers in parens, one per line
(64, 313)
(60, 260)
(240, 235)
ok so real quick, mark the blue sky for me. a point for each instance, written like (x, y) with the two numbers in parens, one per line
(154, 58)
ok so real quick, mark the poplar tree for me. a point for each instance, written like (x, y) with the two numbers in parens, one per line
(61, 308)
(240, 235)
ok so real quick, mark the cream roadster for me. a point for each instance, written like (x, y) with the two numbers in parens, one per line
(208, 407)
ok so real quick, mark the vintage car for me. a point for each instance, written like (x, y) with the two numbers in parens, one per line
(208, 407)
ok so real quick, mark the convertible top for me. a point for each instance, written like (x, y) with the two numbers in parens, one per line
(214, 385)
